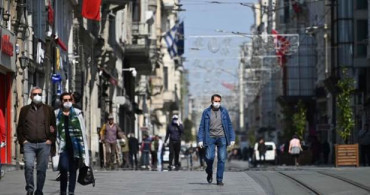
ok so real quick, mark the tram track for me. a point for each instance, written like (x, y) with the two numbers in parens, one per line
(311, 189)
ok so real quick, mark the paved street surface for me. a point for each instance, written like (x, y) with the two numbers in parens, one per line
(143, 182)
(238, 179)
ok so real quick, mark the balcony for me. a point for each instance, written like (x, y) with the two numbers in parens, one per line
(140, 51)
(152, 4)
(170, 101)
(117, 2)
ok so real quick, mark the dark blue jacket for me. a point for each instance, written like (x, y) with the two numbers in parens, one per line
(203, 132)
(174, 132)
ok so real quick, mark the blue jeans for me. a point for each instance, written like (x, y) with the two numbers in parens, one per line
(145, 158)
(40, 152)
(67, 163)
(221, 156)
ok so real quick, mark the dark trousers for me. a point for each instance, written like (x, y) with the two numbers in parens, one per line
(154, 158)
(175, 147)
(67, 164)
(365, 154)
(133, 155)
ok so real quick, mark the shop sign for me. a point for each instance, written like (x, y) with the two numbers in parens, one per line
(7, 45)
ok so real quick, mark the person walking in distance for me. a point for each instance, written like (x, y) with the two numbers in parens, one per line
(133, 147)
(109, 134)
(215, 130)
(262, 150)
(295, 148)
(125, 150)
(35, 134)
(159, 152)
(2, 138)
(145, 150)
(72, 143)
(174, 131)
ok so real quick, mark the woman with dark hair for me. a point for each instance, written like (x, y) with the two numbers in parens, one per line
(72, 145)
(295, 148)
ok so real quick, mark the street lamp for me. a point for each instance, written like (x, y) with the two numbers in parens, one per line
(23, 60)
(6, 16)
(132, 70)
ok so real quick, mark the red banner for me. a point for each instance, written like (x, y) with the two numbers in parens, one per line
(91, 9)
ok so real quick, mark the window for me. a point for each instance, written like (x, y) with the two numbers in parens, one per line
(361, 38)
(361, 4)
(165, 79)
(136, 11)
(39, 14)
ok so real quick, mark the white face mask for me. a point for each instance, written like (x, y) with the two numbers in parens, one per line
(216, 104)
(37, 99)
(67, 105)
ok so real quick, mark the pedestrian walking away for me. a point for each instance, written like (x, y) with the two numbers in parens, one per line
(174, 131)
(109, 134)
(364, 141)
(36, 134)
(159, 153)
(72, 143)
(2, 139)
(215, 130)
(295, 148)
(133, 147)
(145, 150)
(262, 150)
(125, 151)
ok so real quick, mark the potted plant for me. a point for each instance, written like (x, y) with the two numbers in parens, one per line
(345, 154)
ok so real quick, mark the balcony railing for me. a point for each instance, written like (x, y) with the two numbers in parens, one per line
(117, 2)
(140, 30)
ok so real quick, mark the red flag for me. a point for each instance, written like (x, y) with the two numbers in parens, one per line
(228, 85)
(50, 14)
(282, 46)
(296, 7)
(91, 9)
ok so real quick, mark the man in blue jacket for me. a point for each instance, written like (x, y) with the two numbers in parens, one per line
(215, 129)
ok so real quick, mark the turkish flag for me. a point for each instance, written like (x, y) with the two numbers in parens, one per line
(282, 45)
(91, 9)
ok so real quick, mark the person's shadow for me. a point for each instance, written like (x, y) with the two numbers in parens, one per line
(203, 184)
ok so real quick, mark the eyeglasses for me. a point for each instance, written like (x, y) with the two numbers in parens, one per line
(67, 100)
(34, 94)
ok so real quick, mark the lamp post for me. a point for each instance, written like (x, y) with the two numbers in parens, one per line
(23, 61)
(6, 17)
(132, 70)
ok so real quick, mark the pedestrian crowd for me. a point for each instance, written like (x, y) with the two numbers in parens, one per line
(43, 131)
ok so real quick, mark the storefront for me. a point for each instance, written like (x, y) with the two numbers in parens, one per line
(7, 70)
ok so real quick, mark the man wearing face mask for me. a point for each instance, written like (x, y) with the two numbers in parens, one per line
(215, 129)
(174, 132)
(36, 134)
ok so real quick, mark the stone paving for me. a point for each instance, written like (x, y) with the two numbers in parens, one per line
(142, 182)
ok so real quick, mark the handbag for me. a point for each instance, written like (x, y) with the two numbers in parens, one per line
(86, 176)
(295, 150)
(55, 162)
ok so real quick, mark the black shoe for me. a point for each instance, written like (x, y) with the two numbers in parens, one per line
(209, 178)
(220, 183)
(29, 193)
(170, 167)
